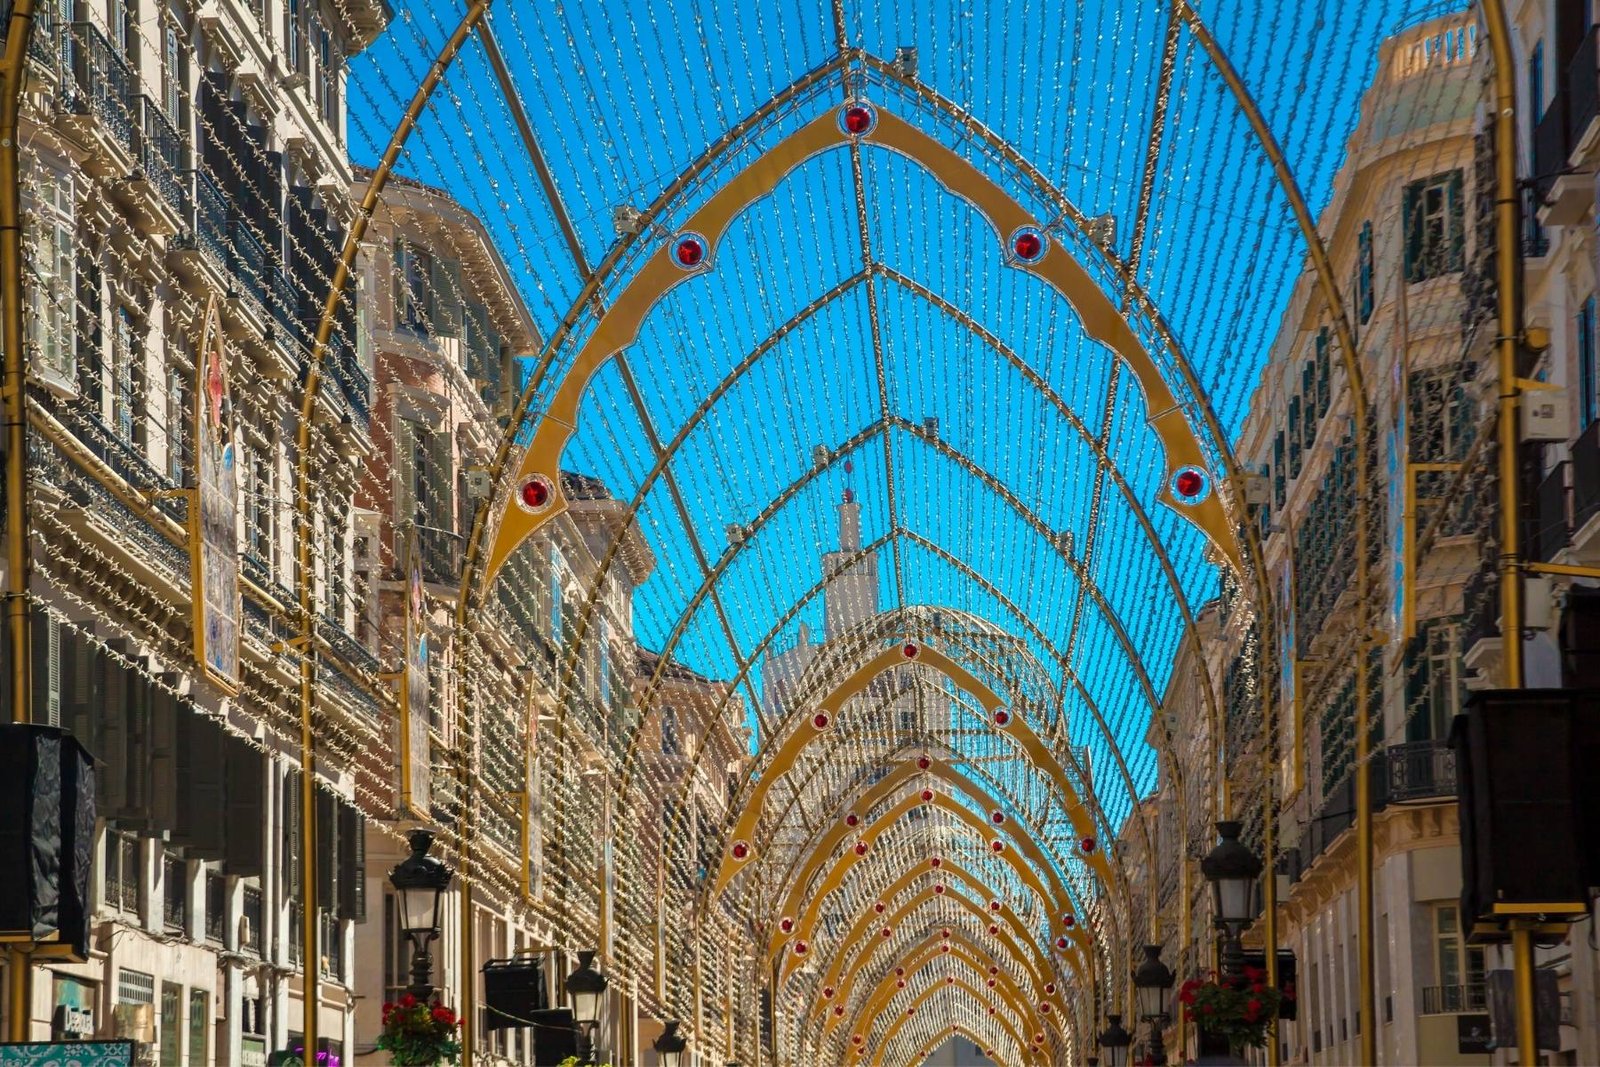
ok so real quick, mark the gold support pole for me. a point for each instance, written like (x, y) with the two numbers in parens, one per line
(1522, 972)
(306, 573)
(19, 561)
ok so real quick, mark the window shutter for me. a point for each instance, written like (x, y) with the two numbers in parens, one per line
(446, 285)
(201, 764)
(402, 281)
(1457, 217)
(163, 788)
(46, 697)
(1413, 230)
(112, 779)
(244, 846)
(327, 852)
(352, 864)
(291, 834)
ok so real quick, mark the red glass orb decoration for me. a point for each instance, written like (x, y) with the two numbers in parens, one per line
(858, 119)
(1027, 245)
(1069, 921)
(852, 819)
(1087, 844)
(819, 721)
(994, 905)
(888, 931)
(861, 848)
(946, 935)
(878, 907)
(997, 817)
(900, 983)
(911, 1010)
(1050, 988)
(1044, 1007)
(838, 1011)
(909, 651)
(855, 1039)
(535, 493)
(899, 972)
(993, 969)
(1190, 485)
(690, 251)
(1062, 943)
(801, 948)
(927, 795)
(944, 948)
(786, 924)
(997, 846)
(923, 763)
(1038, 1039)
(949, 979)
(939, 888)
(991, 1010)
(994, 928)
(936, 862)
(1002, 717)
(990, 983)
(827, 992)
(741, 850)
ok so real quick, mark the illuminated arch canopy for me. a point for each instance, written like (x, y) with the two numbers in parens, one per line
(898, 374)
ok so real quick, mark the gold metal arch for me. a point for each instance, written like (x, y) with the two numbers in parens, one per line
(618, 328)
(958, 1029)
(958, 945)
(824, 849)
(1075, 935)
(857, 948)
(901, 1018)
(1019, 933)
(891, 985)
(828, 709)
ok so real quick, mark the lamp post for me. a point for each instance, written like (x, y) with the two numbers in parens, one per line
(419, 881)
(670, 1045)
(1232, 869)
(1152, 985)
(587, 988)
(1115, 1041)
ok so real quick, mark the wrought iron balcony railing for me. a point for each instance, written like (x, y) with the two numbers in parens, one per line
(1453, 999)
(1420, 770)
(102, 82)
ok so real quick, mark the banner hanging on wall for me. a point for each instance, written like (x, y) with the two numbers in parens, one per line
(414, 688)
(213, 535)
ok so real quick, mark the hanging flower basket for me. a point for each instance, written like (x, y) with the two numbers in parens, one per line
(419, 1033)
(1235, 1010)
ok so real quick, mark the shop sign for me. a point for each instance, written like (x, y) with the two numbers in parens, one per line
(253, 1052)
(213, 537)
(67, 1054)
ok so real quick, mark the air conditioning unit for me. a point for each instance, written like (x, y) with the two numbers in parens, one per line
(1257, 490)
(479, 485)
(133, 1022)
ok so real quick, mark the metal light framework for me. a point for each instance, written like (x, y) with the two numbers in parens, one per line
(670, 1045)
(1233, 871)
(1152, 990)
(1506, 239)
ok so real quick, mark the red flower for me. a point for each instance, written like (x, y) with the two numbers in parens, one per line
(408, 1001)
(442, 1014)
(1254, 1006)
(1207, 1009)
(1258, 989)
(1254, 974)
(387, 1007)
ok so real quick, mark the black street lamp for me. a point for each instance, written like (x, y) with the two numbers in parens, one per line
(670, 1045)
(1152, 985)
(1115, 1041)
(420, 880)
(587, 988)
(1232, 869)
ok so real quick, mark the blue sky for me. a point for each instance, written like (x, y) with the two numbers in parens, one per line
(624, 95)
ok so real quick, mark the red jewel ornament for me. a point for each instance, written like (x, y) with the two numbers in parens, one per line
(1002, 717)
(535, 493)
(690, 251)
(991, 1011)
(1050, 988)
(1069, 921)
(1087, 844)
(944, 948)
(997, 817)
(997, 846)
(946, 935)
(1189, 484)
(994, 928)
(1044, 1007)
(899, 972)
(741, 851)
(1062, 943)
(923, 763)
(993, 969)
(991, 983)
(911, 1010)
(838, 1011)
(900, 984)
(927, 795)
(859, 119)
(939, 888)
(861, 848)
(936, 862)
(949, 979)
(888, 931)
(878, 907)
(827, 992)
(994, 905)
(819, 721)
(852, 819)
(909, 650)
(786, 924)
(1038, 1039)
(801, 948)
(1027, 245)
(855, 1039)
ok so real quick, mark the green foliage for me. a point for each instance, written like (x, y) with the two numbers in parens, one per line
(1238, 1009)
(419, 1033)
